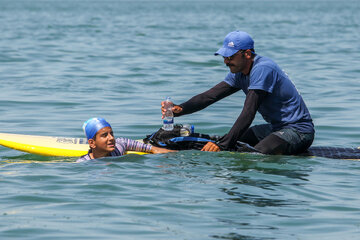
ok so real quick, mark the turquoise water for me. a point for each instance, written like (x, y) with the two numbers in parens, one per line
(62, 62)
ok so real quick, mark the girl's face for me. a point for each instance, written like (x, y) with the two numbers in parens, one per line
(104, 140)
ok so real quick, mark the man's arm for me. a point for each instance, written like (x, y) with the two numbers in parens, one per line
(205, 99)
(252, 102)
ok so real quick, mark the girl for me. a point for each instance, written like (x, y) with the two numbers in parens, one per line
(102, 142)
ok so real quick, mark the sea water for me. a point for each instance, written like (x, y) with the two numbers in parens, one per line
(62, 62)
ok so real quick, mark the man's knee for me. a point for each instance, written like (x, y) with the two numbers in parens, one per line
(255, 134)
(272, 144)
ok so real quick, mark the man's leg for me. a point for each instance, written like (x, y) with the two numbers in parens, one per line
(285, 141)
(272, 144)
(255, 134)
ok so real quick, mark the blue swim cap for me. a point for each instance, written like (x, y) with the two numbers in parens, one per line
(93, 125)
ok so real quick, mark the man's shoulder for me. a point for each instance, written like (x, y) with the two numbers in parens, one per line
(265, 65)
(261, 61)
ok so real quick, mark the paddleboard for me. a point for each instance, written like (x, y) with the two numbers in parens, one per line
(76, 147)
(48, 146)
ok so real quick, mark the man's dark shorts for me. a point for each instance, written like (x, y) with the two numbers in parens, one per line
(297, 141)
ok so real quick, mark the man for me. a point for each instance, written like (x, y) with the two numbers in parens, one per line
(102, 142)
(269, 91)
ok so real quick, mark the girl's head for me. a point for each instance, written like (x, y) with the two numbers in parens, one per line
(93, 125)
(100, 135)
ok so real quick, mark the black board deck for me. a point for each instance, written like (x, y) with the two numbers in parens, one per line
(333, 152)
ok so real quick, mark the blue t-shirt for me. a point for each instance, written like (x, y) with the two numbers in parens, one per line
(284, 106)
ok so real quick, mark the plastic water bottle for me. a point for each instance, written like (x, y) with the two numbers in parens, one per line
(168, 121)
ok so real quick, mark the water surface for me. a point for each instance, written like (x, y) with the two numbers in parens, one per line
(62, 62)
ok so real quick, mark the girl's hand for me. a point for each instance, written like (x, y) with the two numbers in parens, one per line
(160, 150)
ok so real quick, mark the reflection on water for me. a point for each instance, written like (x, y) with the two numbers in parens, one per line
(258, 200)
(235, 236)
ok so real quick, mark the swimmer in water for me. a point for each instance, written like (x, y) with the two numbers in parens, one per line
(102, 142)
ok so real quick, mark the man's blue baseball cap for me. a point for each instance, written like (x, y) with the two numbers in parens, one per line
(93, 125)
(234, 42)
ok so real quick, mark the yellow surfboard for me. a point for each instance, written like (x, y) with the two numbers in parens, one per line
(48, 146)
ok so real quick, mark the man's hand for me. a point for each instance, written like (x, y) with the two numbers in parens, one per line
(175, 109)
(211, 147)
